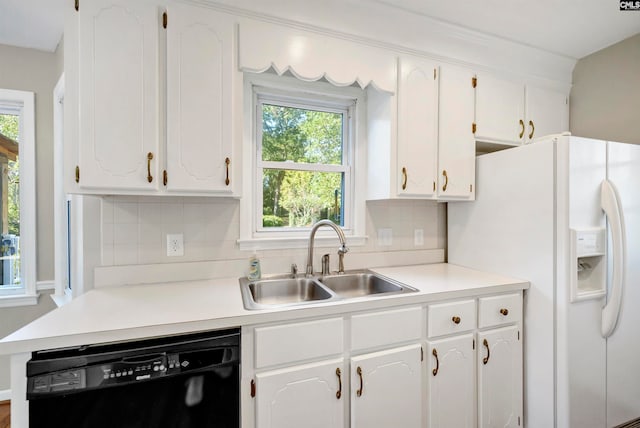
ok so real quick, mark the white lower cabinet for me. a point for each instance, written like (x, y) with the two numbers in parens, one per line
(383, 369)
(386, 389)
(500, 378)
(309, 396)
(451, 382)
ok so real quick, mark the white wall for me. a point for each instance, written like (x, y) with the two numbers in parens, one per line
(605, 98)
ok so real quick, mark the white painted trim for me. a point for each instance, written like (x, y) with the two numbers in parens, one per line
(5, 395)
(383, 26)
(59, 199)
(26, 103)
(45, 285)
(18, 300)
(298, 242)
(61, 300)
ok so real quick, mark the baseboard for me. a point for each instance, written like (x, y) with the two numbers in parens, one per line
(5, 395)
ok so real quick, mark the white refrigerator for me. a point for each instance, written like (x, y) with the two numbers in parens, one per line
(564, 214)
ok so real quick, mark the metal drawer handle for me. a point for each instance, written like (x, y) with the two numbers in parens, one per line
(149, 159)
(339, 391)
(404, 178)
(435, 354)
(533, 129)
(359, 391)
(521, 128)
(504, 311)
(456, 320)
(485, 360)
(446, 180)
(227, 161)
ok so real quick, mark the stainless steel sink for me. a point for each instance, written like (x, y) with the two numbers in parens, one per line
(359, 284)
(273, 292)
(285, 291)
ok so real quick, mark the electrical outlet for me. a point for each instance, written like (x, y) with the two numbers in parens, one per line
(418, 237)
(385, 237)
(175, 245)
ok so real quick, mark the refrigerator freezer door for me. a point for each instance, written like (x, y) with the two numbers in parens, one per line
(623, 346)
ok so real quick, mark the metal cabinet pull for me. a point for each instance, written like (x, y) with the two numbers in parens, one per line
(359, 391)
(533, 129)
(339, 391)
(446, 180)
(404, 178)
(504, 311)
(149, 159)
(485, 360)
(456, 320)
(227, 161)
(435, 354)
(521, 128)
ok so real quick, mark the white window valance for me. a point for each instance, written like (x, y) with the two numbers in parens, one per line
(311, 56)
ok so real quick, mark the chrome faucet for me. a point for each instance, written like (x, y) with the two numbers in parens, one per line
(341, 250)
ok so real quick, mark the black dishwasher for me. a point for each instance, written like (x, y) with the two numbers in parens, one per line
(183, 381)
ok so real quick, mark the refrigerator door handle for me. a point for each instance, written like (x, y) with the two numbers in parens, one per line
(610, 203)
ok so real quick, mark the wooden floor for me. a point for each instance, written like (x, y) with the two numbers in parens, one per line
(5, 414)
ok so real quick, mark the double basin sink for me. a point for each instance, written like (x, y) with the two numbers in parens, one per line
(287, 291)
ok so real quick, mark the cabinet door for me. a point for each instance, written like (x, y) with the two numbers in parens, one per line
(417, 127)
(199, 87)
(118, 63)
(451, 383)
(456, 143)
(500, 378)
(301, 396)
(499, 110)
(547, 112)
(386, 389)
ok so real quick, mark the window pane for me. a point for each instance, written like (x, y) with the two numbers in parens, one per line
(299, 135)
(301, 198)
(10, 202)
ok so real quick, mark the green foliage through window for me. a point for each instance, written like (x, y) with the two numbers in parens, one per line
(303, 153)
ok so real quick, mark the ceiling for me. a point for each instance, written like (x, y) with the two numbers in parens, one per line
(568, 27)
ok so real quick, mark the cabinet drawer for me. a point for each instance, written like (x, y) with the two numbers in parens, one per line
(452, 317)
(298, 341)
(386, 328)
(499, 310)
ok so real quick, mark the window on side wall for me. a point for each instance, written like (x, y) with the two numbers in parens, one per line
(304, 154)
(17, 198)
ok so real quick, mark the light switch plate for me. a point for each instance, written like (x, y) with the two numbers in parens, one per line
(418, 237)
(175, 245)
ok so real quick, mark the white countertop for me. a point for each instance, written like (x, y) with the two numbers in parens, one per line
(138, 311)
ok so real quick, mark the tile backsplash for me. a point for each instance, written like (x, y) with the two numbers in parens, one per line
(134, 229)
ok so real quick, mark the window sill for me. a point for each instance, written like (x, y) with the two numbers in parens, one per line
(297, 242)
(62, 299)
(8, 301)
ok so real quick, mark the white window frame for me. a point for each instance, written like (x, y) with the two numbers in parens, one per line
(23, 103)
(320, 96)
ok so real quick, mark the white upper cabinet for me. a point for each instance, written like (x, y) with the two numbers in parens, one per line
(434, 153)
(125, 54)
(547, 112)
(499, 109)
(456, 143)
(118, 97)
(199, 88)
(417, 127)
(510, 112)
